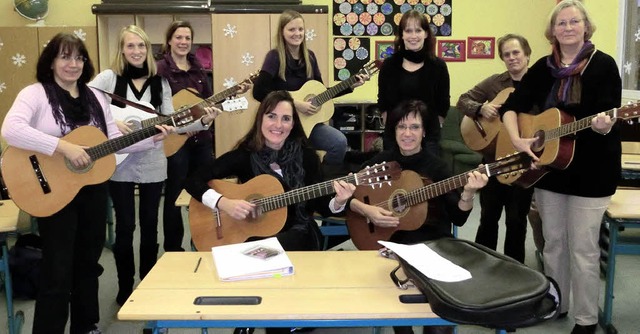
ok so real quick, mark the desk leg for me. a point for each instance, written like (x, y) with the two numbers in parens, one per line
(14, 323)
(605, 321)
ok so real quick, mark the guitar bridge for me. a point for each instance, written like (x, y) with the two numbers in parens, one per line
(44, 184)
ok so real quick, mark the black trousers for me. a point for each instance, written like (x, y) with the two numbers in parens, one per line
(196, 152)
(516, 202)
(73, 239)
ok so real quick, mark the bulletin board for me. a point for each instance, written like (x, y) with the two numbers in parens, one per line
(381, 17)
(350, 54)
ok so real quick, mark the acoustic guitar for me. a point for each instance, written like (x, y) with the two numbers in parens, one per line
(315, 92)
(42, 185)
(188, 98)
(554, 147)
(479, 133)
(139, 118)
(214, 227)
(407, 199)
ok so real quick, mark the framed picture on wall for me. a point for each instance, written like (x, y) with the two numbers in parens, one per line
(481, 47)
(451, 50)
(384, 49)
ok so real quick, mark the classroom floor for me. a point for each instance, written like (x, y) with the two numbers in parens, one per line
(625, 310)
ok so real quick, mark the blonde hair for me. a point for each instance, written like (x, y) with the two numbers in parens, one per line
(119, 62)
(281, 45)
(590, 28)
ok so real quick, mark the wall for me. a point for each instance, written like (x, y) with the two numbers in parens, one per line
(470, 18)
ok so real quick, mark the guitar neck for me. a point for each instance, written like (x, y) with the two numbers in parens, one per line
(299, 195)
(116, 144)
(573, 127)
(330, 93)
(219, 97)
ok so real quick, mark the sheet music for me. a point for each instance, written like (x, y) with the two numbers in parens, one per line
(428, 262)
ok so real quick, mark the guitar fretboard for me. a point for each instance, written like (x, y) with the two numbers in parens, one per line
(116, 144)
(573, 127)
(330, 93)
(299, 195)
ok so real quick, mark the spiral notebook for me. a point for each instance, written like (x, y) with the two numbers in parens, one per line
(251, 260)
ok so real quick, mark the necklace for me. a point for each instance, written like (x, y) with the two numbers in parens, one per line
(564, 65)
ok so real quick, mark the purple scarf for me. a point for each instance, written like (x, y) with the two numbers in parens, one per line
(568, 86)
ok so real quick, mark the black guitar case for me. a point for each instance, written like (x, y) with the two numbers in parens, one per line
(502, 293)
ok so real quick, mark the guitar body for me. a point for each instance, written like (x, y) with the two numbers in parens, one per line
(364, 234)
(202, 220)
(556, 153)
(63, 179)
(182, 99)
(132, 115)
(480, 134)
(324, 112)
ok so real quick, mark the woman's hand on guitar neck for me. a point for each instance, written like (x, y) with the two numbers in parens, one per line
(165, 130)
(210, 114)
(74, 153)
(305, 107)
(362, 78)
(344, 191)
(237, 208)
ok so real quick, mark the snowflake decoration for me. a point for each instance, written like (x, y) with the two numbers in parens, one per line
(247, 59)
(229, 82)
(19, 60)
(627, 67)
(230, 30)
(637, 34)
(80, 34)
(311, 34)
(45, 44)
(3, 86)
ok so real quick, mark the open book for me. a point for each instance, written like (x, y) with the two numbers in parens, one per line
(251, 260)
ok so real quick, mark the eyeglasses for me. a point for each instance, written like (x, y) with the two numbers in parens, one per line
(68, 58)
(570, 23)
(412, 127)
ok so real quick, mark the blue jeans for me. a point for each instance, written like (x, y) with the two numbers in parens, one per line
(195, 153)
(331, 140)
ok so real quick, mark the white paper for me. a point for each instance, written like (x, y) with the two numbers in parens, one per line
(428, 262)
(233, 265)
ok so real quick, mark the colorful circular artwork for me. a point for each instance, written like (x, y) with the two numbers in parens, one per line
(348, 54)
(362, 53)
(380, 12)
(340, 63)
(344, 74)
(386, 29)
(354, 43)
(339, 44)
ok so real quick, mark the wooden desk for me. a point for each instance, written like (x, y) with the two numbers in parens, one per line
(328, 289)
(623, 213)
(9, 213)
(183, 199)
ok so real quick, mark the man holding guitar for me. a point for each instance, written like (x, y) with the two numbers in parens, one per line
(481, 105)
(452, 207)
(581, 82)
(288, 67)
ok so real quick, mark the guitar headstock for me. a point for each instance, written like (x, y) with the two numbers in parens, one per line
(371, 68)
(378, 174)
(252, 77)
(511, 163)
(628, 112)
(235, 104)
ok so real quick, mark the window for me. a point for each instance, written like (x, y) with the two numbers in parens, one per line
(629, 57)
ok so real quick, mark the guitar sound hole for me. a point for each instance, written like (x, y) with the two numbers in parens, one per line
(399, 203)
(538, 145)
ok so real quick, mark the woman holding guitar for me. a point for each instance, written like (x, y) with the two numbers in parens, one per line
(288, 67)
(276, 145)
(514, 50)
(581, 81)
(73, 237)
(134, 76)
(183, 70)
(414, 72)
(408, 120)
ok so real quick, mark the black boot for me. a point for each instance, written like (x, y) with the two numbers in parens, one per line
(148, 258)
(126, 270)
(586, 329)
